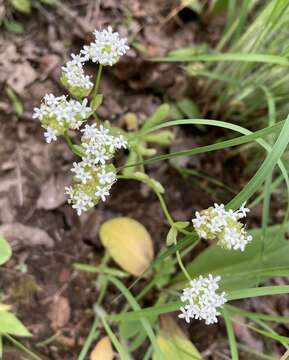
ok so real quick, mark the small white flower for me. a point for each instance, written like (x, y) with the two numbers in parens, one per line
(102, 192)
(50, 135)
(100, 157)
(80, 173)
(224, 225)
(81, 202)
(242, 212)
(75, 75)
(198, 220)
(107, 47)
(201, 301)
(69, 191)
(106, 177)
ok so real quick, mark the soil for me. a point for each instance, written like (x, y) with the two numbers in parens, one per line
(54, 300)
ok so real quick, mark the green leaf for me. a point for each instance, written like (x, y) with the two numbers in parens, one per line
(96, 102)
(218, 6)
(134, 304)
(189, 108)
(175, 306)
(5, 250)
(16, 102)
(118, 346)
(240, 57)
(172, 236)
(9, 324)
(158, 116)
(13, 26)
(23, 6)
(242, 269)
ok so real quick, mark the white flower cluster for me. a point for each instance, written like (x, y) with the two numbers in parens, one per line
(73, 76)
(57, 115)
(201, 301)
(224, 225)
(107, 48)
(93, 177)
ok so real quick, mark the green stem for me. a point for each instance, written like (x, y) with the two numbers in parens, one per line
(97, 81)
(22, 347)
(71, 145)
(165, 209)
(90, 338)
(92, 333)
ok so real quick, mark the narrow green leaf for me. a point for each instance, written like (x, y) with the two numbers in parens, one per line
(239, 57)
(9, 324)
(5, 250)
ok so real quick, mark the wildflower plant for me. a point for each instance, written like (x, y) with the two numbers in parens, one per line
(206, 284)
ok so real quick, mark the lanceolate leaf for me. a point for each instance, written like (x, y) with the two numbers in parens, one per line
(5, 250)
(243, 269)
(9, 324)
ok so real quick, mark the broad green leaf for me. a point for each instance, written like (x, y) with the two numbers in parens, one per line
(13, 26)
(9, 324)
(242, 269)
(23, 6)
(5, 250)
(189, 108)
(129, 244)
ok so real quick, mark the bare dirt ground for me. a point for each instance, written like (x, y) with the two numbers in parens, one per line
(49, 296)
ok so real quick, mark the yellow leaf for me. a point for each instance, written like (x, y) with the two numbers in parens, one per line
(103, 350)
(173, 342)
(129, 244)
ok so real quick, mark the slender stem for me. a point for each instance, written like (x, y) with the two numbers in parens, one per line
(90, 338)
(97, 81)
(285, 356)
(22, 347)
(92, 333)
(71, 145)
(164, 208)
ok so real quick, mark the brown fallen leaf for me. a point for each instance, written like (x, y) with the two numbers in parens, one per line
(23, 75)
(59, 312)
(103, 350)
(52, 193)
(22, 235)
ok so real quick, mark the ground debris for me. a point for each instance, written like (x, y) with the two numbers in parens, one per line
(21, 235)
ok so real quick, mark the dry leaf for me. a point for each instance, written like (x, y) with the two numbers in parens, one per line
(25, 235)
(173, 342)
(59, 312)
(129, 244)
(103, 350)
(52, 193)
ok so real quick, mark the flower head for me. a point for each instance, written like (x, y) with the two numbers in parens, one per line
(57, 115)
(74, 78)
(107, 48)
(224, 225)
(201, 301)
